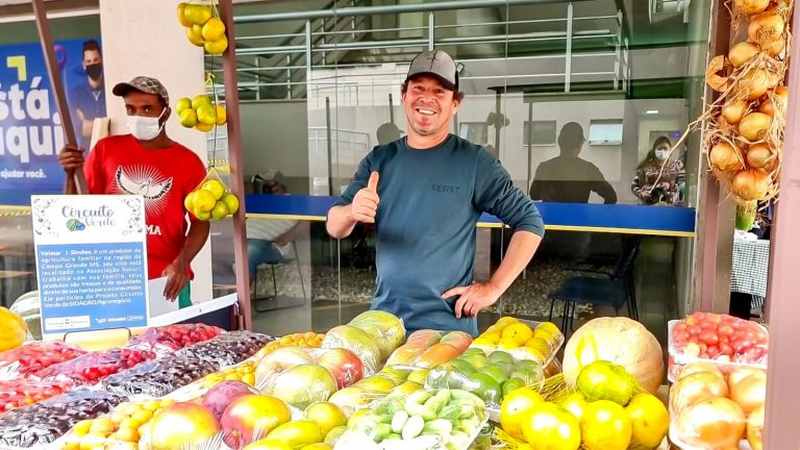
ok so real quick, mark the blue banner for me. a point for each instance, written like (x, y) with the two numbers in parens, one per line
(31, 133)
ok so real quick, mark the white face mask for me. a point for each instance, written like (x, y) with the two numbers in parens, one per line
(145, 128)
(662, 153)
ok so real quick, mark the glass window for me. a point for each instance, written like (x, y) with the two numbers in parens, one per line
(605, 132)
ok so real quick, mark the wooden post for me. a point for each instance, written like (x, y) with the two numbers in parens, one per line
(57, 87)
(783, 391)
(235, 161)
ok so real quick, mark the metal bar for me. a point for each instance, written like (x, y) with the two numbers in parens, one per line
(236, 167)
(390, 9)
(431, 30)
(269, 36)
(309, 56)
(618, 50)
(46, 39)
(330, 144)
(391, 108)
(530, 145)
(568, 53)
(782, 408)
(288, 77)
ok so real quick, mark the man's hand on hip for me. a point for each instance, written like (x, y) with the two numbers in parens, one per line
(177, 275)
(364, 207)
(473, 298)
(70, 158)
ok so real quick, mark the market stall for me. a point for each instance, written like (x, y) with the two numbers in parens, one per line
(369, 384)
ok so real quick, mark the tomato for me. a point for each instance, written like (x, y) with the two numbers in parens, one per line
(709, 338)
(712, 351)
(725, 349)
(725, 330)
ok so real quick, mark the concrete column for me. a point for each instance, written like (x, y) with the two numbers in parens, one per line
(143, 37)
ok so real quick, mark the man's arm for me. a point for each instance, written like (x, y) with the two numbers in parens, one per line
(604, 188)
(340, 222)
(178, 271)
(71, 159)
(479, 296)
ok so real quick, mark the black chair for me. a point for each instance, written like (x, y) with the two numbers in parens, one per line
(600, 288)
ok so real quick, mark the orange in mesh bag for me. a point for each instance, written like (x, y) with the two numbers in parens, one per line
(211, 200)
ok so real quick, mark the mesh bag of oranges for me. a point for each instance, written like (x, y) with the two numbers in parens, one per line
(606, 410)
(523, 339)
(204, 27)
(211, 199)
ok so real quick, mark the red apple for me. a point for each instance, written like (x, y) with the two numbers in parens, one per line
(220, 396)
(252, 417)
(344, 365)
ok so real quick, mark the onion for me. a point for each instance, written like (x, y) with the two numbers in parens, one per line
(734, 110)
(695, 388)
(754, 126)
(751, 392)
(714, 80)
(750, 6)
(699, 366)
(755, 83)
(766, 28)
(759, 156)
(755, 425)
(741, 53)
(740, 373)
(716, 423)
(725, 157)
(775, 48)
(778, 98)
(751, 184)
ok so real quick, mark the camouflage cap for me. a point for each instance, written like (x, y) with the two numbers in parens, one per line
(148, 85)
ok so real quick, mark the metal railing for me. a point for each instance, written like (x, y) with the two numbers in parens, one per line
(286, 65)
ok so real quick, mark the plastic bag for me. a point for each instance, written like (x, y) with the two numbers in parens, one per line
(174, 337)
(211, 199)
(229, 348)
(434, 419)
(45, 422)
(386, 328)
(429, 348)
(158, 378)
(93, 367)
(35, 356)
(358, 342)
(23, 392)
(721, 339)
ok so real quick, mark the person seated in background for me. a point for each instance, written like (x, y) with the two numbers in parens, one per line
(567, 178)
(268, 239)
(660, 178)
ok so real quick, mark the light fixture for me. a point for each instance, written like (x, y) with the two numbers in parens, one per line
(651, 111)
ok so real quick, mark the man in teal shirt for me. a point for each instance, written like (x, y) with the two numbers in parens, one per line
(425, 192)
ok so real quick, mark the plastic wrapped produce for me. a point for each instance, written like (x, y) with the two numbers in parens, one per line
(280, 360)
(386, 328)
(175, 337)
(303, 385)
(93, 367)
(45, 422)
(23, 392)
(358, 342)
(229, 348)
(424, 338)
(34, 357)
(418, 342)
(161, 377)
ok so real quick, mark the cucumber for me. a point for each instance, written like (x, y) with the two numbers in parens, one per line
(399, 420)
(413, 427)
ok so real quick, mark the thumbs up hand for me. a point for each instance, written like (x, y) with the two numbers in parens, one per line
(365, 203)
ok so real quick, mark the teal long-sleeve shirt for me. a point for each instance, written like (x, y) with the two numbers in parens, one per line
(430, 202)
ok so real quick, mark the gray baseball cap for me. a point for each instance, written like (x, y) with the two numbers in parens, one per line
(436, 63)
(148, 85)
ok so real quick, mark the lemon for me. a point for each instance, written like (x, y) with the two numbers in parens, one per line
(649, 418)
(201, 99)
(517, 332)
(213, 29)
(220, 211)
(188, 118)
(507, 344)
(575, 404)
(505, 321)
(206, 114)
(204, 201)
(550, 427)
(326, 415)
(183, 104)
(197, 14)
(216, 47)
(215, 187)
(182, 15)
(606, 426)
(516, 406)
(232, 202)
(222, 115)
(195, 36)
(204, 127)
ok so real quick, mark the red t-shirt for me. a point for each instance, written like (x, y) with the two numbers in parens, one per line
(163, 176)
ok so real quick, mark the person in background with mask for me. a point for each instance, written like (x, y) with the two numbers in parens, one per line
(651, 188)
(147, 162)
(88, 98)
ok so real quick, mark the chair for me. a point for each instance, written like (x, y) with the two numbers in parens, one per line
(272, 265)
(615, 289)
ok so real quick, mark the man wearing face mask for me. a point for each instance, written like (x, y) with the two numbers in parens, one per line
(88, 98)
(425, 193)
(147, 162)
